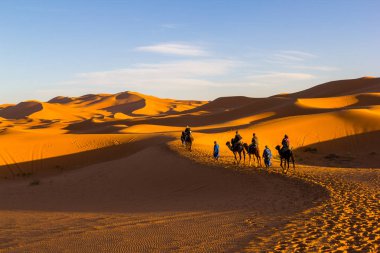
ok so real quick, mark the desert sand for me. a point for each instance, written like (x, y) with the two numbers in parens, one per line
(107, 173)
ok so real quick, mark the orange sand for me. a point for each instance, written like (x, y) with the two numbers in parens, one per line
(106, 173)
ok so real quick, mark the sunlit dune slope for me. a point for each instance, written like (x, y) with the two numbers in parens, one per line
(99, 106)
(365, 99)
(129, 103)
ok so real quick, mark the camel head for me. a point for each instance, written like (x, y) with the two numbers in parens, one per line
(229, 145)
(278, 148)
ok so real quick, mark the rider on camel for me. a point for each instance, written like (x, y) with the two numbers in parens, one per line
(237, 140)
(255, 141)
(285, 143)
(187, 131)
(186, 134)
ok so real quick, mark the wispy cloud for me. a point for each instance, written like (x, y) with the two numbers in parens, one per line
(203, 77)
(182, 49)
(279, 78)
(290, 56)
(164, 75)
(284, 75)
(318, 68)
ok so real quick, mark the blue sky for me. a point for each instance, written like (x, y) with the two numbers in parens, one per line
(183, 49)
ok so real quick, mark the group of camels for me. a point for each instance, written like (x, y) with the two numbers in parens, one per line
(253, 152)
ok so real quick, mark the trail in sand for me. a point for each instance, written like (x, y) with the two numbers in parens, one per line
(346, 221)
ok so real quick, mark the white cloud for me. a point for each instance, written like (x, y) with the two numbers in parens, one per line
(174, 49)
(174, 74)
(199, 77)
(189, 79)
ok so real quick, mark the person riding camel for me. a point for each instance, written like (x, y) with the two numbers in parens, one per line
(285, 143)
(187, 131)
(255, 141)
(237, 140)
(186, 134)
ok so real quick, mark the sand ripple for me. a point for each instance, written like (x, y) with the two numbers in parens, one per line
(348, 221)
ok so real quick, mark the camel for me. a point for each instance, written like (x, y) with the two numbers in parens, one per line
(187, 140)
(285, 155)
(252, 151)
(236, 149)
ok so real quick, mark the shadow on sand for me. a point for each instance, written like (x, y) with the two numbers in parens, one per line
(354, 151)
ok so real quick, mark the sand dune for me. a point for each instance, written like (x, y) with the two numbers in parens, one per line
(341, 87)
(108, 172)
(71, 109)
(364, 99)
(21, 110)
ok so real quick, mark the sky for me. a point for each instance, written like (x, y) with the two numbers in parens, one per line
(183, 49)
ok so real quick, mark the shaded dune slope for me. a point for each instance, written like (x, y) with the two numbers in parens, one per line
(154, 185)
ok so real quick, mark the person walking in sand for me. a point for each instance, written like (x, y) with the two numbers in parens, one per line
(267, 155)
(216, 150)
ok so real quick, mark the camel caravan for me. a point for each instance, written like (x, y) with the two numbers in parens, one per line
(240, 149)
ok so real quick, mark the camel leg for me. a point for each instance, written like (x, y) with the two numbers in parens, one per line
(287, 161)
(260, 161)
(283, 166)
(236, 161)
(294, 166)
(258, 158)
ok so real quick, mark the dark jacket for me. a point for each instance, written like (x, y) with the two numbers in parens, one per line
(267, 154)
(285, 142)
